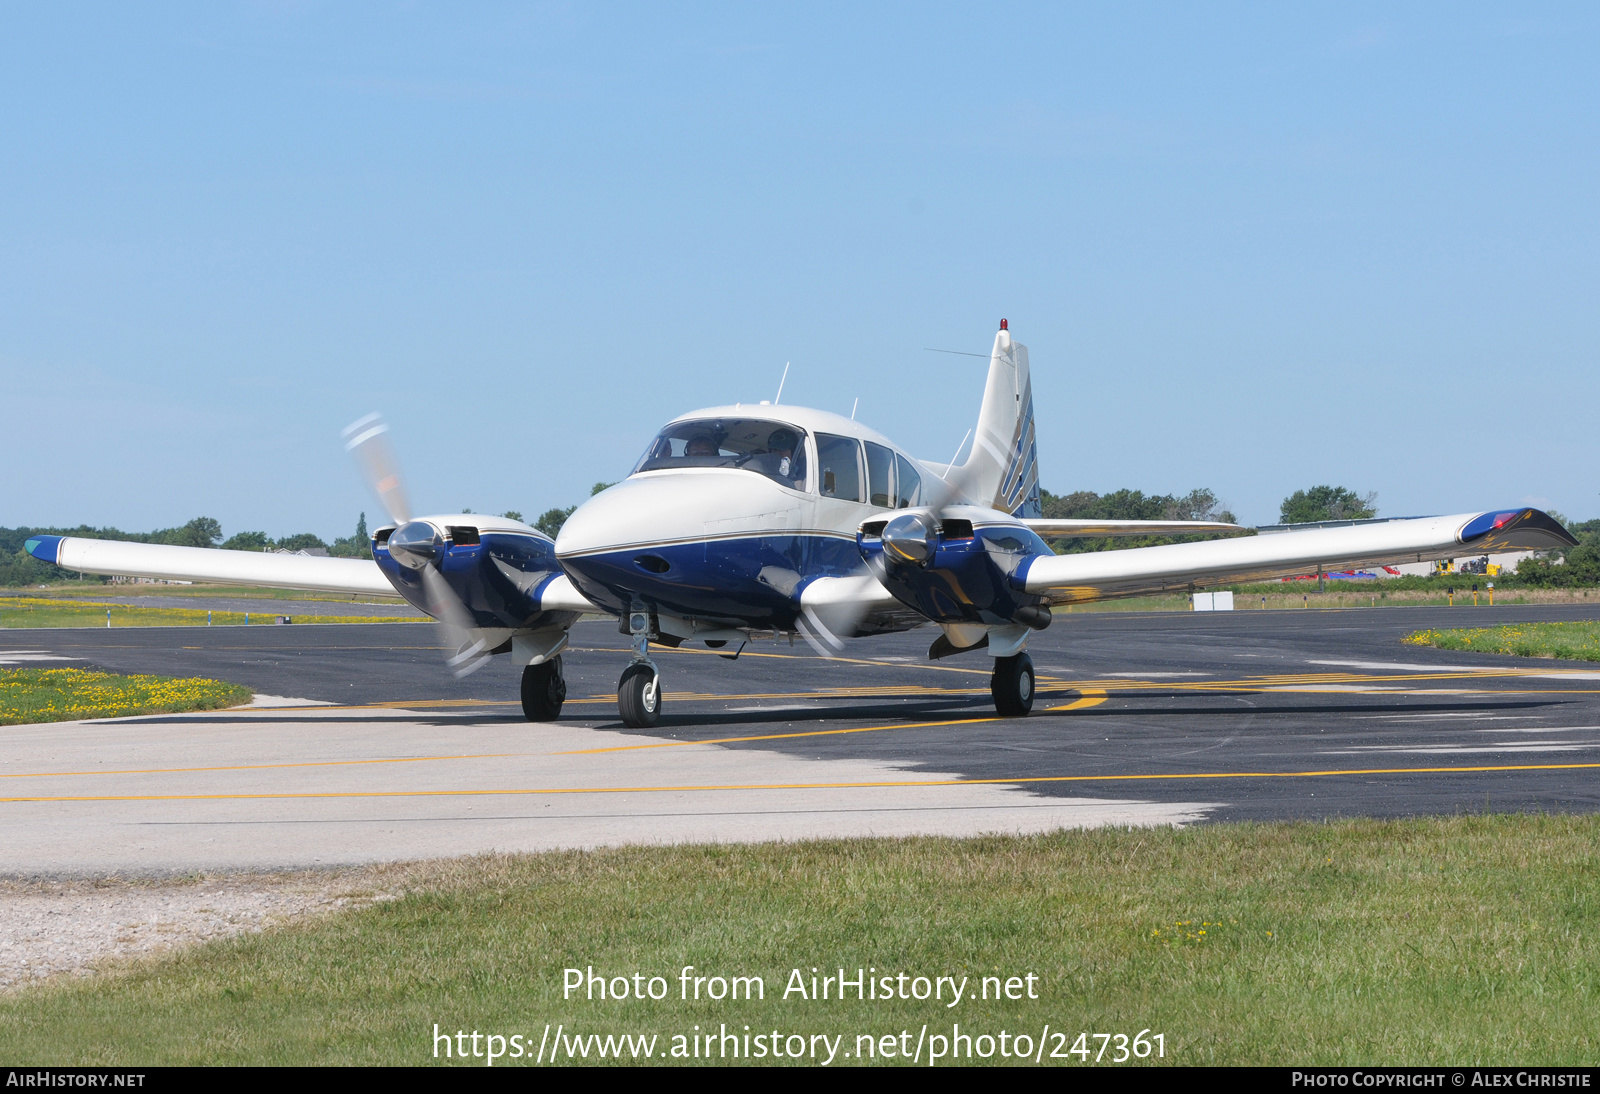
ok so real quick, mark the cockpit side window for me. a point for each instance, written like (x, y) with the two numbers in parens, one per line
(880, 476)
(908, 484)
(768, 448)
(839, 467)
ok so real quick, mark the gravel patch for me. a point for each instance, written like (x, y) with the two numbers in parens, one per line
(55, 929)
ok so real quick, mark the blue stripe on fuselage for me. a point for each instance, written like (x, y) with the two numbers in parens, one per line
(749, 580)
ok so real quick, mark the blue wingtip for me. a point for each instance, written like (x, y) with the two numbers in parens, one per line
(43, 548)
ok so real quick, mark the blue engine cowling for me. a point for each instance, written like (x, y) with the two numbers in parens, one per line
(497, 575)
(952, 572)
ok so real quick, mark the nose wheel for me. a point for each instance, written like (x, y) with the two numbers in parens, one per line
(1012, 685)
(639, 695)
(544, 689)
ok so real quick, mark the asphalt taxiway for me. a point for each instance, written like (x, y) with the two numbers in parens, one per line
(1142, 718)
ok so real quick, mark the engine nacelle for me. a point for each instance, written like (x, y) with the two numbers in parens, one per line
(497, 574)
(953, 568)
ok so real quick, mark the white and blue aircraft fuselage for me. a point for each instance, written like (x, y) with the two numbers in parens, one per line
(753, 521)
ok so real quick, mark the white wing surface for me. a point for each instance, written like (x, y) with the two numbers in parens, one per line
(1106, 575)
(1098, 528)
(109, 556)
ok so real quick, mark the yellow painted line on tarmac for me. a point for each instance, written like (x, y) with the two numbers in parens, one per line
(813, 657)
(1090, 700)
(911, 691)
(891, 691)
(865, 785)
(780, 736)
(254, 767)
(1089, 697)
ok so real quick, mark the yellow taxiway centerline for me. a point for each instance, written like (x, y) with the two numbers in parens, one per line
(778, 736)
(1090, 697)
(254, 767)
(871, 785)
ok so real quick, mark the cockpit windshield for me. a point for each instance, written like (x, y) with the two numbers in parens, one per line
(772, 449)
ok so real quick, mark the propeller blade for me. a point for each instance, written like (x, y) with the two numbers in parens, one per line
(368, 440)
(416, 546)
(456, 629)
(822, 628)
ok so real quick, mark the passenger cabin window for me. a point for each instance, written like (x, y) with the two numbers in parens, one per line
(839, 467)
(880, 476)
(772, 449)
(908, 484)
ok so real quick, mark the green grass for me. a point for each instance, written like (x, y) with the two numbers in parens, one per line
(202, 590)
(1298, 595)
(26, 612)
(1579, 641)
(58, 695)
(1445, 941)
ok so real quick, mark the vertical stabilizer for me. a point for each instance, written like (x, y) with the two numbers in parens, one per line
(1002, 470)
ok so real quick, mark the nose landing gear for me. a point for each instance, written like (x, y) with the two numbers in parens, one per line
(639, 696)
(544, 689)
(1012, 685)
(639, 691)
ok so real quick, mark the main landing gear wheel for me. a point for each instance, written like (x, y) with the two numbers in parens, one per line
(639, 696)
(544, 689)
(1012, 685)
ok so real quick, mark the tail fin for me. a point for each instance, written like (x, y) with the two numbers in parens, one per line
(1002, 470)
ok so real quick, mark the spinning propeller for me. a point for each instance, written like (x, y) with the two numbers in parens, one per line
(416, 544)
(911, 536)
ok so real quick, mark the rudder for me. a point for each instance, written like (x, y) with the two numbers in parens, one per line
(1002, 471)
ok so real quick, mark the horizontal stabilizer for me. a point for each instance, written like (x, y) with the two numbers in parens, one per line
(1097, 528)
(1179, 566)
(156, 560)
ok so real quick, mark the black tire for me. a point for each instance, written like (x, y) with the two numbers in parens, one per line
(1012, 685)
(544, 689)
(639, 697)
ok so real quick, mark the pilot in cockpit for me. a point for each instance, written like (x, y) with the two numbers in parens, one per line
(782, 444)
(700, 446)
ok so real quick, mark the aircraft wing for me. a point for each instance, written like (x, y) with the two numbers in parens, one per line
(1098, 528)
(1105, 575)
(110, 556)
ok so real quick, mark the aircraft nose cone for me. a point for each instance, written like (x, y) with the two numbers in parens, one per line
(415, 544)
(661, 508)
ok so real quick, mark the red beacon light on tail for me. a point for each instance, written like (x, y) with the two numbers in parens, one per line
(1003, 325)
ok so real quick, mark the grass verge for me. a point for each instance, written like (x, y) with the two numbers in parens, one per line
(1456, 940)
(25, 612)
(58, 695)
(1297, 595)
(197, 590)
(1577, 641)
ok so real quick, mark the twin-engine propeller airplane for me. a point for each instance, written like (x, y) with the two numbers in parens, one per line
(745, 522)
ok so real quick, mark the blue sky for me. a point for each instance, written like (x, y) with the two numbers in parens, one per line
(1250, 247)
